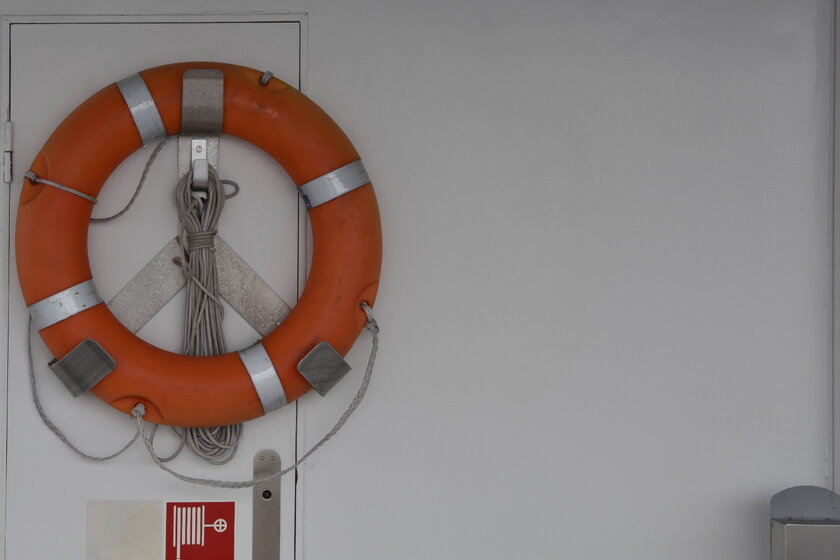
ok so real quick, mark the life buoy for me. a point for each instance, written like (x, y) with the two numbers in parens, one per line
(52, 259)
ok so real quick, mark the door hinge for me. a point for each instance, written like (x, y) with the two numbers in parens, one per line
(7, 152)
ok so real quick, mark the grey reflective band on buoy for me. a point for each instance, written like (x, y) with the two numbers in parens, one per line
(143, 109)
(334, 184)
(264, 377)
(64, 304)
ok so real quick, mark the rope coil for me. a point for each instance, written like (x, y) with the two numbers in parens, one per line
(198, 219)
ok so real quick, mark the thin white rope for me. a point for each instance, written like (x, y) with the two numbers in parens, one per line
(130, 203)
(32, 383)
(142, 181)
(46, 419)
(35, 179)
(139, 411)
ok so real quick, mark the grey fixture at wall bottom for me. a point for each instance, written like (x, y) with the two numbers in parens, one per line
(805, 524)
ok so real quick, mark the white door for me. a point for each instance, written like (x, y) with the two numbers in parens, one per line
(54, 67)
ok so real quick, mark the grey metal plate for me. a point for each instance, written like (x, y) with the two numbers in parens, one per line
(805, 541)
(150, 289)
(247, 292)
(203, 101)
(266, 507)
(185, 152)
(158, 282)
(323, 367)
(83, 367)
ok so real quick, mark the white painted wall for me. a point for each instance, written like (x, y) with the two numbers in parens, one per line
(606, 283)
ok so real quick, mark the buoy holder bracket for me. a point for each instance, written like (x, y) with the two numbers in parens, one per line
(202, 113)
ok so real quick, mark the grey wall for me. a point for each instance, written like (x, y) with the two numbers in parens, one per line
(606, 284)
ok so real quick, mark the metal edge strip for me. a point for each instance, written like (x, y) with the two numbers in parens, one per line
(334, 184)
(835, 256)
(64, 304)
(142, 106)
(264, 377)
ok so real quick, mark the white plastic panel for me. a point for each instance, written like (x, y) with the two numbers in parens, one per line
(605, 297)
(54, 67)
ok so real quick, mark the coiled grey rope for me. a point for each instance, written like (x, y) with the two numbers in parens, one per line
(139, 411)
(198, 220)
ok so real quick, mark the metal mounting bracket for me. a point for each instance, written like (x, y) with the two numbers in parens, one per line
(202, 111)
(266, 507)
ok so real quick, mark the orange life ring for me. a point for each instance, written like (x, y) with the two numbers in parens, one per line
(51, 245)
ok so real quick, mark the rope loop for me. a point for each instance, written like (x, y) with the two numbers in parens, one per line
(371, 323)
(233, 184)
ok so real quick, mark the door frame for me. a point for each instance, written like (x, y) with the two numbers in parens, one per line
(6, 23)
(834, 321)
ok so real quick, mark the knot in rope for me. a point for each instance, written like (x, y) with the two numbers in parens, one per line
(200, 240)
(371, 323)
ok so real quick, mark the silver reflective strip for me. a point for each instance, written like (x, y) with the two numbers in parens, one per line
(143, 108)
(264, 377)
(334, 184)
(64, 304)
